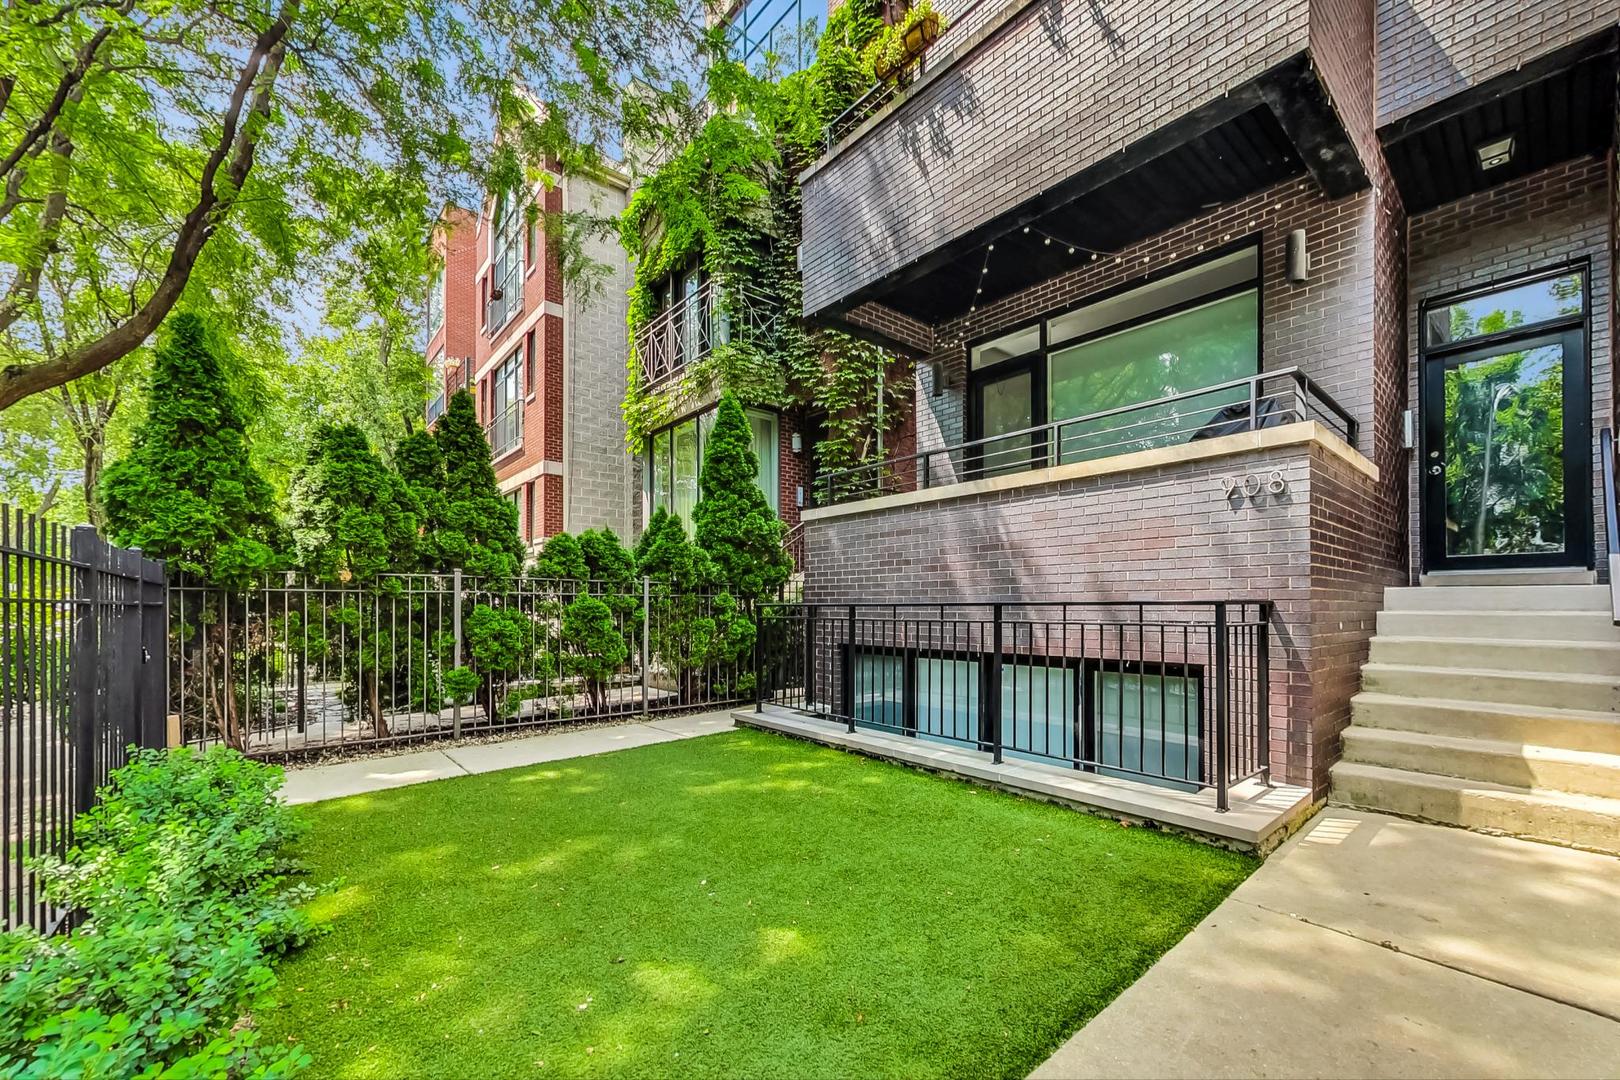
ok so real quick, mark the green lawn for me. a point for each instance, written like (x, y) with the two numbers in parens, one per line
(734, 905)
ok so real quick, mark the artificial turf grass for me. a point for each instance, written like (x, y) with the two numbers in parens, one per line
(734, 905)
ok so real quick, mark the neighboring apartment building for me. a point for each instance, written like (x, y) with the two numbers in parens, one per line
(546, 369)
(1296, 301)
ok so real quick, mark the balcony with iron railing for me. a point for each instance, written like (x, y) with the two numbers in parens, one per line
(505, 430)
(435, 408)
(691, 328)
(505, 297)
(1269, 400)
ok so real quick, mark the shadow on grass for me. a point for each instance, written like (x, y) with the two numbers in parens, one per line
(741, 904)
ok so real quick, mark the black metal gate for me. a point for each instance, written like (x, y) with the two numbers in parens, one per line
(82, 677)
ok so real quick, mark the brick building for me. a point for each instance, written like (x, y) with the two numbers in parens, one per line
(545, 367)
(1299, 302)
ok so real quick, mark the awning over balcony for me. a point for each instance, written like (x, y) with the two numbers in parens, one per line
(1555, 108)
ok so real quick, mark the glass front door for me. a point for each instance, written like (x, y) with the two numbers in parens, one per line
(1505, 455)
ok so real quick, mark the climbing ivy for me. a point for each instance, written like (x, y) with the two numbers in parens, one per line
(729, 200)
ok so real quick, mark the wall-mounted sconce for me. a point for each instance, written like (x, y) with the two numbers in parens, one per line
(1299, 258)
(936, 378)
(798, 443)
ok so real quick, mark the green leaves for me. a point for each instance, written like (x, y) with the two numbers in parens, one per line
(732, 521)
(352, 517)
(181, 872)
(187, 491)
(480, 533)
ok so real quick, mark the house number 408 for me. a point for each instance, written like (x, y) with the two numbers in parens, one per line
(1253, 485)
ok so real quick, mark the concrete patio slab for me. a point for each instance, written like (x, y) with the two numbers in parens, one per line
(1368, 946)
(313, 783)
(1254, 994)
(1535, 916)
(1259, 816)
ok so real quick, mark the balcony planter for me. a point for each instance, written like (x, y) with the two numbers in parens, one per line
(919, 36)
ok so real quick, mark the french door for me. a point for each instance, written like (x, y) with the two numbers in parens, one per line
(1505, 458)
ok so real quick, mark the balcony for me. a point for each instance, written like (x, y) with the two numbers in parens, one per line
(1086, 137)
(1272, 399)
(435, 408)
(690, 329)
(505, 430)
(505, 298)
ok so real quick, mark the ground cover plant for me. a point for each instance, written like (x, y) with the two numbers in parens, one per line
(734, 905)
(181, 875)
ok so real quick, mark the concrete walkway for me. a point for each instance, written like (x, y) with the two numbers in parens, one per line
(317, 782)
(1369, 946)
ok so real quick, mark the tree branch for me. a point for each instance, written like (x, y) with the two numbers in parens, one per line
(234, 150)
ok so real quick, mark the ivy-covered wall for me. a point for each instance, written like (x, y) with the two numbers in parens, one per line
(728, 201)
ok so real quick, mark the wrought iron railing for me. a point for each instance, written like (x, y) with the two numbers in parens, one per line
(505, 295)
(1172, 693)
(688, 330)
(1270, 399)
(505, 429)
(435, 408)
(296, 666)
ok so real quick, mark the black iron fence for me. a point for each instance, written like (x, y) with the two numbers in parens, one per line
(82, 650)
(1171, 693)
(294, 666)
(1267, 400)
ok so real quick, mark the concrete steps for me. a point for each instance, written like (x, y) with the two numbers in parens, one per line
(1495, 707)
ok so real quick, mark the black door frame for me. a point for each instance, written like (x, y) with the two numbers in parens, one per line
(1572, 333)
(1032, 364)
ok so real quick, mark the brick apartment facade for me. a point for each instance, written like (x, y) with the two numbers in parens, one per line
(1155, 138)
(545, 367)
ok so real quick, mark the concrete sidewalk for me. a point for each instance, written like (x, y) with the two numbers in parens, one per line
(1369, 946)
(334, 781)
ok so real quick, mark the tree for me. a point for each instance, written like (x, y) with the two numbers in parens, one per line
(352, 517)
(561, 560)
(733, 522)
(421, 470)
(187, 492)
(593, 645)
(666, 555)
(145, 133)
(480, 534)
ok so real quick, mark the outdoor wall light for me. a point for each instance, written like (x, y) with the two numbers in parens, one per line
(936, 372)
(798, 443)
(1495, 153)
(1299, 258)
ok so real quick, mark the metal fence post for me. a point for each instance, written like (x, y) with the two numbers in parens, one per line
(849, 672)
(155, 654)
(455, 616)
(992, 712)
(809, 655)
(759, 661)
(646, 639)
(87, 556)
(1264, 737)
(1222, 736)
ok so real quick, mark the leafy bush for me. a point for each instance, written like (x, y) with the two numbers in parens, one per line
(182, 875)
(594, 646)
(460, 684)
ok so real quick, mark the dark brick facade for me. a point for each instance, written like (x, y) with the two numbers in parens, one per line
(1060, 87)
(1554, 217)
(1429, 50)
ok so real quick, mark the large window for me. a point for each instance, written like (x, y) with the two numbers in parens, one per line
(675, 460)
(506, 262)
(435, 302)
(1131, 720)
(784, 28)
(506, 406)
(1194, 328)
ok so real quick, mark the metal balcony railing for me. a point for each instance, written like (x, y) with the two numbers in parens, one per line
(1269, 399)
(689, 330)
(505, 297)
(505, 430)
(435, 408)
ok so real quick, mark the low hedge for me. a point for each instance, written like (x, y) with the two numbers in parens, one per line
(186, 893)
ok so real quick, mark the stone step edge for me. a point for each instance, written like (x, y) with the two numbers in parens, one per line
(1503, 708)
(1495, 747)
(1495, 673)
(1598, 804)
